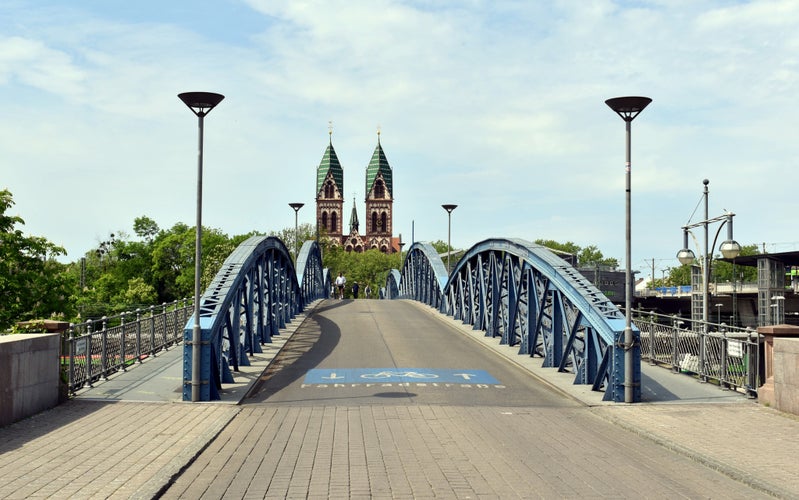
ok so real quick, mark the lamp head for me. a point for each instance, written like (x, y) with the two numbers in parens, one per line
(201, 103)
(449, 207)
(730, 249)
(686, 256)
(628, 107)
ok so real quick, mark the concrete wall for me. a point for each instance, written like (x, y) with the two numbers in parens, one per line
(786, 374)
(29, 373)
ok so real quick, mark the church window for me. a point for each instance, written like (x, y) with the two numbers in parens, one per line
(380, 189)
(333, 222)
(324, 220)
(329, 191)
(374, 222)
(383, 220)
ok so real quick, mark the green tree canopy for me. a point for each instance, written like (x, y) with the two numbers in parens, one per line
(32, 282)
(589, 256)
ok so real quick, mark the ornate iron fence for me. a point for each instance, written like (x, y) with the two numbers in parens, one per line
(97, 348)
(729, 356)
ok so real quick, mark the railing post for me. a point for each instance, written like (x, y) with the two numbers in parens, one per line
(151, 350)
(104, 347)
(752, 362)
(176, 325)
(703, 333)
(675, 344)
(724, 341)
(163, 317)
(71, 341)
(138, 334)
(89, 356)
(123, 340)
(652, 338)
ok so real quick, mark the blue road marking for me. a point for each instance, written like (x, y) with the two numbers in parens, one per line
(393, 375)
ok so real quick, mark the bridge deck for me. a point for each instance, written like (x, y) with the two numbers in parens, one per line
(132, 438)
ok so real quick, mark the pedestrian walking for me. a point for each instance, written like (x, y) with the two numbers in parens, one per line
(367, 291)
(355, 289)
(340, 282)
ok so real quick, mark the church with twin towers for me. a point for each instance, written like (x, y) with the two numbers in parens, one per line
(379, 188)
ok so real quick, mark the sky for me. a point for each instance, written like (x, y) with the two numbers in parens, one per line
(496, 106)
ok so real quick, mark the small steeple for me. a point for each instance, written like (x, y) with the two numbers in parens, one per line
(354, 218)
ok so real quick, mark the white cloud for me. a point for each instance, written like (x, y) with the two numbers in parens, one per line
(496, 106)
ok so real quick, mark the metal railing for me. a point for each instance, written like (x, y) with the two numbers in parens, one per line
(97, 348)
(729, 356)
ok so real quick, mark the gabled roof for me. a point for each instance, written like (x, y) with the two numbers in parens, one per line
(378, 164)
(330, 164)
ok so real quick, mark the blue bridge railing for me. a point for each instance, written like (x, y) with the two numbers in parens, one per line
(531, 299)
(256, 292)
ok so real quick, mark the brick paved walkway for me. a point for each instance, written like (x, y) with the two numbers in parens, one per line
(85, 449)
(398, 452)
(99, 449)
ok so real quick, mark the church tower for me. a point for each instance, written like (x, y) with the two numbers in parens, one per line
(330, 194)
(379, 202)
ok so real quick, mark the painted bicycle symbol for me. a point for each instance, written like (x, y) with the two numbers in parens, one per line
(393, 374)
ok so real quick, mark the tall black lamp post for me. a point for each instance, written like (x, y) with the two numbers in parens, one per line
(449, 208)
(200, 103)
(296, 207)
(628, 108)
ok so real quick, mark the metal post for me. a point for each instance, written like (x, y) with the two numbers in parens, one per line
(196, 331)
(628, 108)
(200, 103)
(296, 207)
(628, 292)
(449, 208)
(705, 289)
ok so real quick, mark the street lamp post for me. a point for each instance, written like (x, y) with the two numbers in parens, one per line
(200, 103)
(628, 108)
(449, 208)
(729, 248)
(296, 207)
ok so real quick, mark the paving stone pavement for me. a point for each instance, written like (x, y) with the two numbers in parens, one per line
(133, 449)
(90, 449)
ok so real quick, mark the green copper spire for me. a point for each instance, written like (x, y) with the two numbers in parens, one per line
(379, 164)
(330, 164)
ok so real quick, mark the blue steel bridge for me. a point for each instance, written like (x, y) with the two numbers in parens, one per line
(533, 300)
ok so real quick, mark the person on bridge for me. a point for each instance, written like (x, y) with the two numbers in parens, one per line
(367, 291)
(340, 282)
(355, 289)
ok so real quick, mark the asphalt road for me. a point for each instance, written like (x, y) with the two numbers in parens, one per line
(385, 352)
(371, 399)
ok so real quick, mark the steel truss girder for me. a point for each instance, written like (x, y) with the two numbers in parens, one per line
(256, 292)
(530, 297)
(423, 275)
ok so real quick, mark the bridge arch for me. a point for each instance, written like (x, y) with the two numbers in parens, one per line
(530, 298)
(255, 293)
